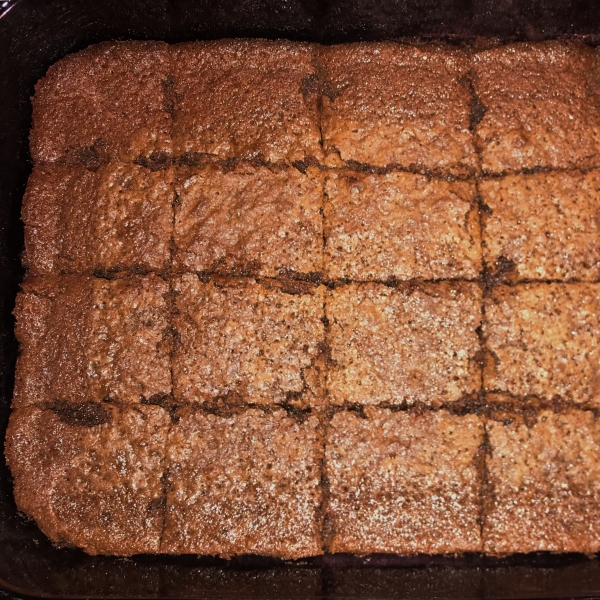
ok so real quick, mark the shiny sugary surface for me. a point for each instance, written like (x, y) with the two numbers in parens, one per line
(543, 340)
(117, 217)
(404, 482)
(245, 483)
(542, 226)
(261, 343)
(88, 339)
(251, 219)
(404, 345)
(544, 479)
(400, 225)
(390, 103)
(92, 478)
(542, 106)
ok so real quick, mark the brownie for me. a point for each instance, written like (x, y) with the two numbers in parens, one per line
(542, 226)
(394, 104)
(543, 340)
(539, 106)
(249, 342)
(402, 226)
(246, 99)
(107, 102)
(79, 221)
(403, 482)
(544, 478)
(249, 220)
(244, 483)
(91, 477)
(405, 345)
(89, 339)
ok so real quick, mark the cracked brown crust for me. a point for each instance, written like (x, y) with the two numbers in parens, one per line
(403, 482)
(88, 339)
(106, 102)
(96, 487)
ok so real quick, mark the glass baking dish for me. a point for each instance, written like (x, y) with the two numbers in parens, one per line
(36, 33)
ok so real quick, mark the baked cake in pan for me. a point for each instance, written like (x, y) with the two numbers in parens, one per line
(285, 299)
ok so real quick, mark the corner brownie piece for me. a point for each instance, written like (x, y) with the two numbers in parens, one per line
(543, 340)
(544, 478)
(540, 106)
(246, 99)
(260, 343)
(393, 104)
(404, 482)
(87, 339)
(79, 221)
(91, 476)
(247, 483)
(401, 226)
(249, 220)
(107, 102)
(414, 343)
(542, 226)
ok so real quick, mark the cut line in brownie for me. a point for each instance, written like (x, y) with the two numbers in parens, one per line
(119, 217)
(404, 482)
(247, 483)
(543, 475)
(400, 226)
(249, 220)
(89, 339)
(249, 342)
(253, 99)
(540, 105)
(542, 226)
(95, 483)
(395, 104)
(399, 346)
(107, 102)
(543, 340)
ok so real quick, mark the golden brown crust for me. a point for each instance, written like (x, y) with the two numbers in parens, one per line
(253, 99)
(410, 344)
(248, 483)
(95, 485)
(249, 220)
(400, 226)
(403, 483)
(541, 104)
(88, 339)
(78, 221)
(544, 479)
(258, 343)
(389, 103)
(106, 102)
(543, 341)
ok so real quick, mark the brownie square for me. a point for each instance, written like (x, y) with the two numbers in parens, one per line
(543, 340)
(404, 482)
(249, 220)
(401, 226)
(91, 476)
(244, 483)
(543, 472)
(79, 221)
(246, 99)
(249, 342)
(87, 339)
(404, 345)
(542, 226)
(394, 104)
(107, 102)
(539, 106)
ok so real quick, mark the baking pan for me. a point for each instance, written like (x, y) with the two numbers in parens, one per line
(36, 33)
